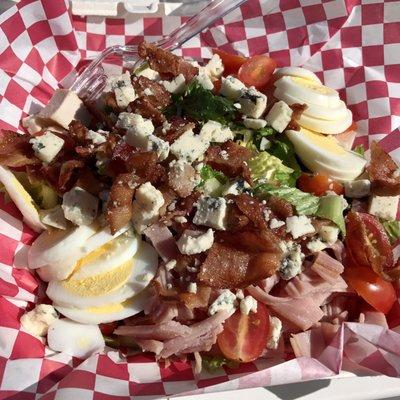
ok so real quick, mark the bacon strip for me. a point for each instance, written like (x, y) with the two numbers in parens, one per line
(177, 127)
(383, 172)
(146, 109)
(159, 97)
(165, 62)
(15, 150)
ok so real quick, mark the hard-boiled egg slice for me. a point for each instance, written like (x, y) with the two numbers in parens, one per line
(323, 154)
(308, 91)
(298, 72)
(314, 110)
(115, 285)
(107, 313)
(56, 252)
(22, 199)
(324, 126)
(75, 339)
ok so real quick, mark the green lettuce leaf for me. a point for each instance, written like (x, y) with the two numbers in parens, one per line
(359, 150)
(213, 364)
(208, 172)
(392, 229)
(331, 207)
(304, 203)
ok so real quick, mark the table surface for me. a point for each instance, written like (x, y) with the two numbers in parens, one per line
(349, 386)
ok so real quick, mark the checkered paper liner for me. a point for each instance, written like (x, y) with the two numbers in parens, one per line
(353, 46)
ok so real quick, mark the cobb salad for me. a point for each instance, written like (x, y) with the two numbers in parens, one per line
(215, 212)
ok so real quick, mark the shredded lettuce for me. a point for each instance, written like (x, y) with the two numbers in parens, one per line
(331, 207)
(266, 168)
(213, 364)
(251, 138)
(392, 229)
(202, 105)
(208, 172)
(305, 203)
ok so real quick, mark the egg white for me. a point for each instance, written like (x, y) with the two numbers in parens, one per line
(145, 261)
(298, 72)
(74, 339)
(22, 199)
(323, 154)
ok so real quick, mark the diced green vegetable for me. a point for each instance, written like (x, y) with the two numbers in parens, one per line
(331, 207)
(392, 229)
(212, 187)
(213, 364)
(266, 168)
(141, 68)
(305, 203)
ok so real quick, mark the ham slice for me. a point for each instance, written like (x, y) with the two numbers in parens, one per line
(154, 346)
(163, 241)
(327, 267)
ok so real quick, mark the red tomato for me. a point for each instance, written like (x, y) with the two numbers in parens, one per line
(257, 71)
(217, 86)
(377, 292)
(108, 329)
(318, 184)
(367, 241)
(245, 336)
(232, 62)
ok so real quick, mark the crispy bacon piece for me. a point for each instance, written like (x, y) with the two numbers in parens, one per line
(235, 164)
(159, 97)
(119, 207)
(182, 179)
(78, 132)
(15, 150)
(178, 126)
(252, 208)
(383, 172)
(69, 174)
(235, 220)
(145, 166)
(280, 207)
(99, 115)
(236, 261)
(165, 62)
(111, 103)
(146, 109)
(200, 299)
(297, 111)
(89, 182)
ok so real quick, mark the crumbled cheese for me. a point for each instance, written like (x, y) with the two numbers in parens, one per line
(253, 102)
(267, 214)
(226, 301)
(46, 146)
(171, 264)
(161, 147)
(137, 129)
(98, 137)
(192, 287)
(79, 206)
(292, 261)
(194, 243)
(279, 116)
(32, 123)
(384, 207)
(276, 223)
(149, 74)
(189, 146)
(146, 207)
(214, 67)
(211, 212)
(148, 92)
(236, 187)
(123, 89)
(316, 245)
(180, 219)
(299, 225)
(231, 88)
(54, 217)
(275, 332)
(329, 234)
(176, 86)
(213, 131)
(357, 189)
(239, 294)
(248, 304)
(265, 144)
(254, 123)
(204, 80)
(37, 321)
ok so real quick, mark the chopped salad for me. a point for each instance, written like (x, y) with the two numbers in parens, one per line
(216, 212)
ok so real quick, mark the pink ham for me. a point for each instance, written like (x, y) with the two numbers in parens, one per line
(163, 241)
(327, 267)
(154, 346)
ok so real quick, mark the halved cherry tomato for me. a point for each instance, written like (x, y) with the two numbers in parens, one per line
(257, 71)
(232, 62)
(377, 292)
(318, 184)
(109, 328)
(367, 242)
(245, 336)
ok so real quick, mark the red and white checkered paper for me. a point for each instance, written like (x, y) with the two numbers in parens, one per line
(352, 45)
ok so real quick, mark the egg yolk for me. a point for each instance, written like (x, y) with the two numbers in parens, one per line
(312, 85)
(324, 142)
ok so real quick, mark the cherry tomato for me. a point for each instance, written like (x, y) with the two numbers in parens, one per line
(257, 71)
(108, 329)
(245, 336)
(232, 62)
(217, 86)
(377, 292)
(367, 241)
(318, 184)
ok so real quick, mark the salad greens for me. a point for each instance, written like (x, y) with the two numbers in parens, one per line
(392, 229)
(213, 364)
(360, 150)
(331, 207)
(212, 182)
